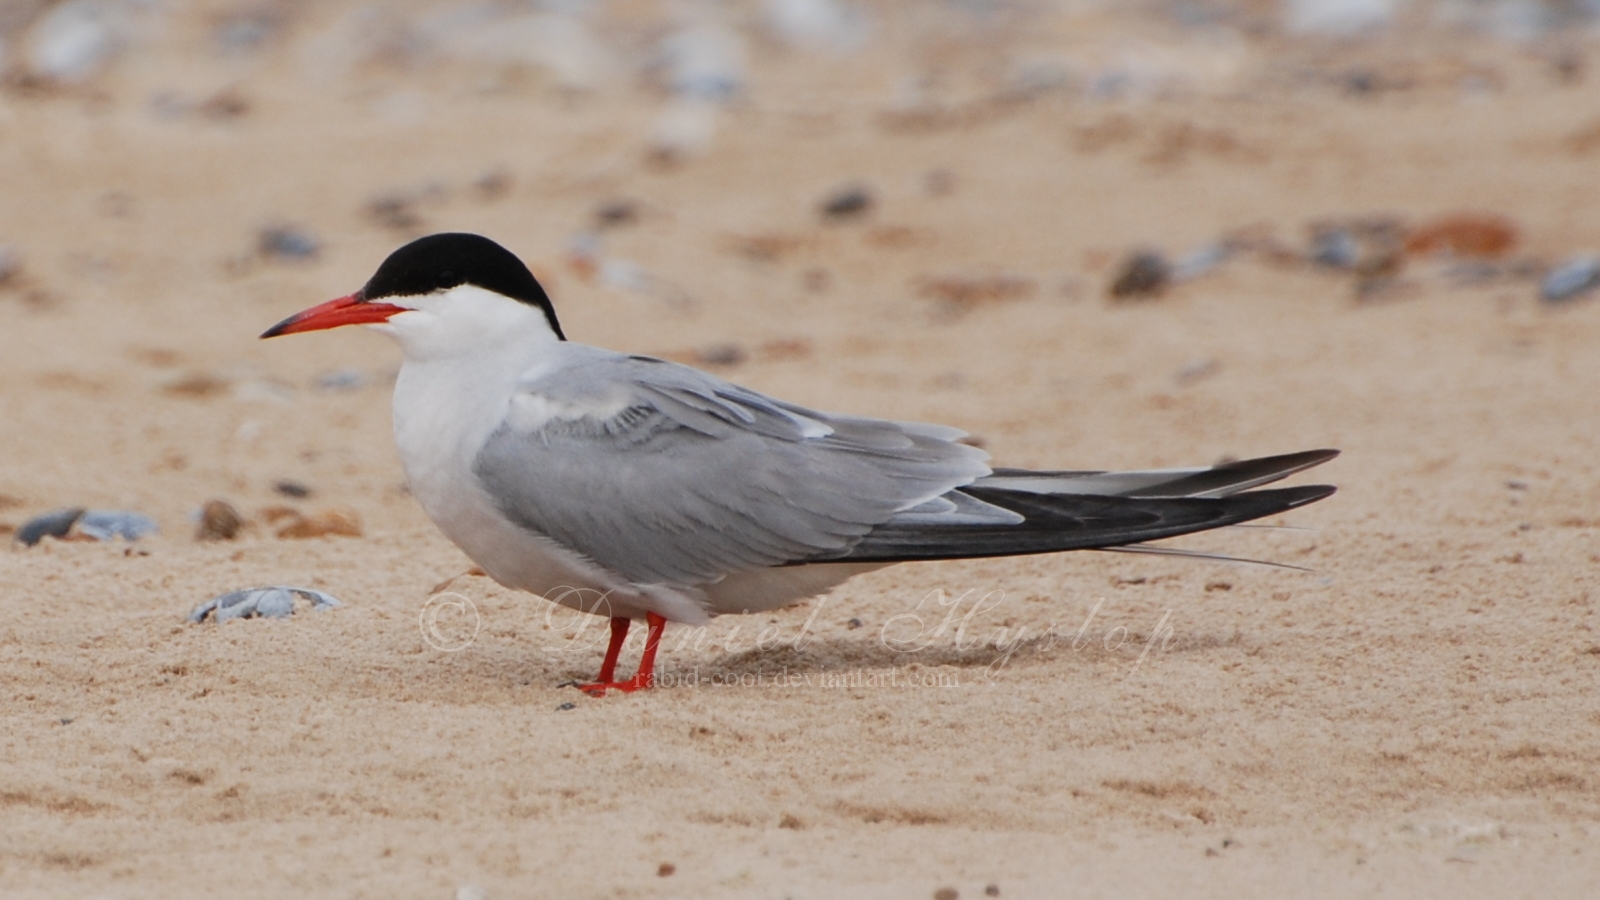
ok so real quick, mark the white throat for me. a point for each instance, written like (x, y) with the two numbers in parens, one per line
(467, 322)
(465, 350)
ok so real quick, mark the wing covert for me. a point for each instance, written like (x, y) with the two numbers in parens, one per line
(665, 474)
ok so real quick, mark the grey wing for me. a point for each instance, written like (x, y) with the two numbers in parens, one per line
(668, 475)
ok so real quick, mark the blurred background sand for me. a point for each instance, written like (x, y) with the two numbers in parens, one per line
(1094, 234)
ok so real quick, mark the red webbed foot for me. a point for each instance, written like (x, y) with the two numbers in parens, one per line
(646, 675)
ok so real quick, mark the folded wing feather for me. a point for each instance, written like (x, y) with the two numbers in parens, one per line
(680, 478)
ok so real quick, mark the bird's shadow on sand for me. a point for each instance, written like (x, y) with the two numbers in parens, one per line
(823, 655)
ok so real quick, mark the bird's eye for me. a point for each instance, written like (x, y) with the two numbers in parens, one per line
(446, 279)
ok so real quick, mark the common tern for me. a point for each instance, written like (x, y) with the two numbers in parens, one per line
(632, 487)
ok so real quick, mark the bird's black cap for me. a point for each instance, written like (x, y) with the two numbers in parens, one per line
(443, 261)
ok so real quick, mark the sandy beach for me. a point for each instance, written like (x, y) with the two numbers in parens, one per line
(1412, 715)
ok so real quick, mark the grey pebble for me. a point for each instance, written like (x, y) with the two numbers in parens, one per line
(1146, 273)
(290, 488)
(344, 379)
(1571, 279)
(1199, 262)
(613, 213)
(51, 524)
(724, 354)
(493, 184)
(269, 602)
(286, 242)
(1198, 370)
(704, 61)
(395, 210)
(1335, 248)
(847, 202)
(10, 263)
(244, 33)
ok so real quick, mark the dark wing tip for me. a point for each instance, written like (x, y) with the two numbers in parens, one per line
(1318, 457)
(1232, 478)
(1287, 463)
(1058, 522)
(1300, 496)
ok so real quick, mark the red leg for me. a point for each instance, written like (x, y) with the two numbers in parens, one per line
(619, 634)
(646, 675)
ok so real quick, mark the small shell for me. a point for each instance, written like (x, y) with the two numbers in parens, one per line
(1570, 280)
(105, 524)
(98, 524)
(270, 602)
(219, 521)
(970, 291)
(74, 41)
(1470, 235)
(342, 522)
